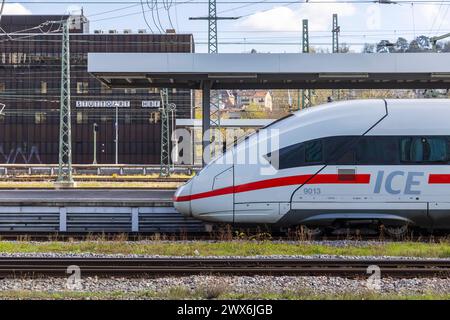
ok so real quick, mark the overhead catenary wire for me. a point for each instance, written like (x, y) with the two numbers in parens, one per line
(113, 10)
(204, 42)
(157, 15)
(151, 9)
(24, 33)
(435, 17)
(168, 5)
(443, 19)
(184, 2)
(244, 41)
(142, 11)
(176, 17)
(350, 34)
(144, 16)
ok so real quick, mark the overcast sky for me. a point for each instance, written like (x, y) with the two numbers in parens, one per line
(266, 27)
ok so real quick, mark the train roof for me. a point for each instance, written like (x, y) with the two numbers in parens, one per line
(413, 104)
(369, 117)
(353, 118)
(415, 117)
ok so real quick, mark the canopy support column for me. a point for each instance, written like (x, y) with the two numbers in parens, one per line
(206, 119)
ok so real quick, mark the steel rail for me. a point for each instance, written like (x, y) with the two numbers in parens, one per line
(130, 267)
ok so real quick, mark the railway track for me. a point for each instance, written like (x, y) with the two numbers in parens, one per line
(132, 267)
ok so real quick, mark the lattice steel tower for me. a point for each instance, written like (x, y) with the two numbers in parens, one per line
(166, 109)
(65, 178)
(213, 48)
(335, 93)
(306, 93)
(335, 31)
(212, 26)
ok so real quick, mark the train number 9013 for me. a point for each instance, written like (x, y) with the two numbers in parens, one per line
(312, 191)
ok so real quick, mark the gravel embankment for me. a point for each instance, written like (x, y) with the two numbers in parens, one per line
(229, 284)
(236, 284)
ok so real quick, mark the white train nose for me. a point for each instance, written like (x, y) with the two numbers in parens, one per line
(182, 199)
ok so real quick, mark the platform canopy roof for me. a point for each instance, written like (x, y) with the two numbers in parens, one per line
(226, 123)
(275, 71)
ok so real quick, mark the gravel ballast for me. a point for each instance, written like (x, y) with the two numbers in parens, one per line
(235, 284)
(256, 285)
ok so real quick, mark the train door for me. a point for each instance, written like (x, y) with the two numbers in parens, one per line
(225, 181)
(260, 197)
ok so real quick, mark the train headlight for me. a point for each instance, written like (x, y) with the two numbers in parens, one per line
(182, 201)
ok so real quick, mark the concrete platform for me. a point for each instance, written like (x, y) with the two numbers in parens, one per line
(85, 211)
(86, 197)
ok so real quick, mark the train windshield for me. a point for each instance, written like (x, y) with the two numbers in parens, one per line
(229, 148)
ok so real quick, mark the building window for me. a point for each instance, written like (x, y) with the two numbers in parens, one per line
(2, 87)
(39, 117)
(43, 87)
(82, 117)
(132, 91)
(154, 117)
(153, 90)
(82, 87)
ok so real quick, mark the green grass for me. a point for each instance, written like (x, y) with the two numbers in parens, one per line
(225, 248)
(180, 293)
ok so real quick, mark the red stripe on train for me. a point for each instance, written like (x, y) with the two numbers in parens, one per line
(439, 178)
(281, 182)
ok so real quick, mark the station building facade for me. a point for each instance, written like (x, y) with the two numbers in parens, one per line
(30, 75)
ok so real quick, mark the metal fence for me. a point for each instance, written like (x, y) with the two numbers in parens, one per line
(101, 170)
(80, 219)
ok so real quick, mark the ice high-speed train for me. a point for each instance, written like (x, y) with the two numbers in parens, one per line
(344, 164)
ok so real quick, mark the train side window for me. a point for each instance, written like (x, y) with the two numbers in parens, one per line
(297, 155)
(340, 150)
(424, 149)
(291, 157)
(313, 151)
(377, 150)
(348, 158)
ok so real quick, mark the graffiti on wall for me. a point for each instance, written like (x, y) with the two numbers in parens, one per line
(20, 154)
